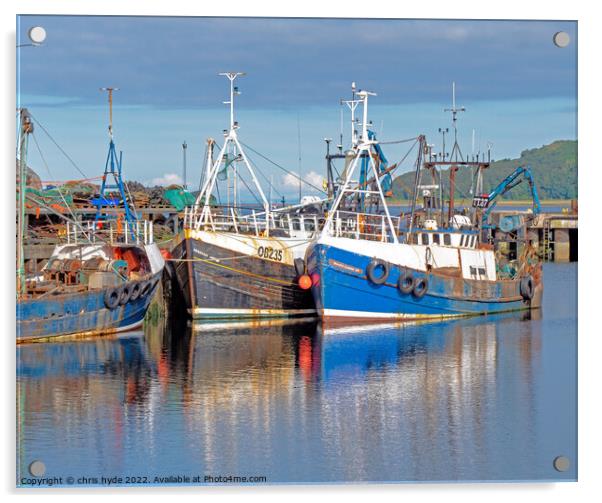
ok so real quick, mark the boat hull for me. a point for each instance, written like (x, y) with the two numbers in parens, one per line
(343, 292)
(221, 283)
(82, 314)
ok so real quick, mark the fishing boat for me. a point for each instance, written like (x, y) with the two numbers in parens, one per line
(375, 266)
(102, 279)
(233, 261)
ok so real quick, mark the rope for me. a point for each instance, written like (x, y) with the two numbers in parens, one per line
(58, 146)
(264, 177)
(248, 188)
(60, 193)
(394, 142)
(245, 273)
(298, 177)
(233, 236)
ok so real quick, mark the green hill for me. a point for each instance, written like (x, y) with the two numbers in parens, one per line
(554, 168)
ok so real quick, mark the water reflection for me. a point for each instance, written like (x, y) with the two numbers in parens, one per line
(469, 399)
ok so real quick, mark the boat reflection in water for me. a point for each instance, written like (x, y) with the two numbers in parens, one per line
(462, 400)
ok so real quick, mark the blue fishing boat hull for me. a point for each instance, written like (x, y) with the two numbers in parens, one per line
(342, 291)
(82, 314)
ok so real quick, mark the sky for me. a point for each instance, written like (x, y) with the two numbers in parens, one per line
(518, 88)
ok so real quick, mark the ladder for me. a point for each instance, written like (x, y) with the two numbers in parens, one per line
(547, 248)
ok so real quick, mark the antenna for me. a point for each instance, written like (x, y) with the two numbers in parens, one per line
(473, 133)
(110, 92)
(364, 98)
(232, 76)
(340, 145)
(443, 132)
(454, 111)
(352, 104)
(299, 146)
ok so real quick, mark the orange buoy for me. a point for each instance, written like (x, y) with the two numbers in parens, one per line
(165, 254)
(304, 282)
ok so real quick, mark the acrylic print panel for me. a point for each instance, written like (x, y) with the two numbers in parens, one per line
(247, 254)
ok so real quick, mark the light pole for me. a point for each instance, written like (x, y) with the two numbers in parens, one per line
(184, 147)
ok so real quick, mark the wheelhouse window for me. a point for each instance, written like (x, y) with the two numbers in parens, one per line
(310, 225)
(436, 239)
(446, 239)
(425, 239)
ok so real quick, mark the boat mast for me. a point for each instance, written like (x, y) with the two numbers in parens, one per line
(113, 168)
(362, 148)
(352, 104)
(25, 130)
(454, 153)
(231, 140)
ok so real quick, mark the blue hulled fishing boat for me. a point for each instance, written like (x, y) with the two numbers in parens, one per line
(102, 279)
(428, 264)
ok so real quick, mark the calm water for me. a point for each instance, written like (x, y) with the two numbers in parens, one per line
(479, 399)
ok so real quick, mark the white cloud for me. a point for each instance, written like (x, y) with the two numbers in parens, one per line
(314, 178)
(167, 179)
(292, 180)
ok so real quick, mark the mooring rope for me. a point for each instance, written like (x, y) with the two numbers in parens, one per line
(232, 269)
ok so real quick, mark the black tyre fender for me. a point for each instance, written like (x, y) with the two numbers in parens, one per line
(299, 266)
(421, 285)
(373, 275)
(136, 290)
(527, 287)
(405, 284)
(126, 293)
(112, 297)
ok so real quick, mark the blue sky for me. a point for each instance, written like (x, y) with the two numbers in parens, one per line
(519, 89)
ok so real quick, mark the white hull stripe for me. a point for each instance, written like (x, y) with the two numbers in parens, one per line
(82, 335)
(210, 326)
(340, 313)
(200, 312)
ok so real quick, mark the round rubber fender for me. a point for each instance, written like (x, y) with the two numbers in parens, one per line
(405, 284)
(371, 271)
(527, 287)
(112, 296)
(145, 287)
(136, 290)
(126, 293)
(421, 285)
(299, 266)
